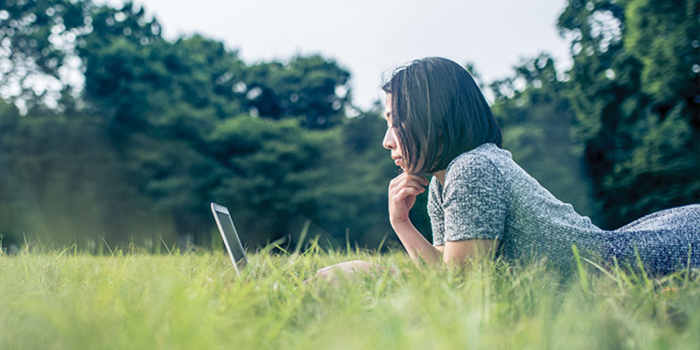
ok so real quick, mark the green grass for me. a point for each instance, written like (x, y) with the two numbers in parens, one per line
(64, 300)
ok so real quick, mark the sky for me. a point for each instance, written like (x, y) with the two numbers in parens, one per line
(370, 38)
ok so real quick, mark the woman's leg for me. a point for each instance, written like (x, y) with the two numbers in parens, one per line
(666, 241)
(665, 218)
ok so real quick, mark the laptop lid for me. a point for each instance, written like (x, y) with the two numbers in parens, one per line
(230, 236)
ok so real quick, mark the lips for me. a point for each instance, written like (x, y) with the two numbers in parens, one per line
(397, 160)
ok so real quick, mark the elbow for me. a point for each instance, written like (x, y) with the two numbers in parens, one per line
(453, 261)
(463, 253)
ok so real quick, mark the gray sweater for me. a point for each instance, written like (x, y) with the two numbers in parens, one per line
(487, 195)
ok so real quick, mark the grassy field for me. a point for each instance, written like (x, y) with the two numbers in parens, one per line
(64, 300)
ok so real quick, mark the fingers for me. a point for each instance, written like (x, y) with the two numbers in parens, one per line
(419, 179)
(403, 191)
(404, 187)
(404, 180)
(406, 192)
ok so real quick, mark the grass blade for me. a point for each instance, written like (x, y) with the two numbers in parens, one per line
(581, 270)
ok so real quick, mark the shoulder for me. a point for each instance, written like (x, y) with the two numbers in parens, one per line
(483, 162)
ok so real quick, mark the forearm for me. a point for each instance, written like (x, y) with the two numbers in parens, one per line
(416, 245)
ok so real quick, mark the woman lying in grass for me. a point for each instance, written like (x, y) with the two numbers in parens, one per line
(481, 203)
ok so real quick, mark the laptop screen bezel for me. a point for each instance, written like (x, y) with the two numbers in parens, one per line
(238, 262)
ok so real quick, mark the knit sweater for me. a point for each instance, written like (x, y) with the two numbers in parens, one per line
(486, 195)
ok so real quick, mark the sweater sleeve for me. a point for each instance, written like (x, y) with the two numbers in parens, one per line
(437, 217)
(474, 200)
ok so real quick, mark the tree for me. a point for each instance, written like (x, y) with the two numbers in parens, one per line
(634, 92)
(37, 43)
(310, 87)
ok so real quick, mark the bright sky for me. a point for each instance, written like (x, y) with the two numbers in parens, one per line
(372, 37)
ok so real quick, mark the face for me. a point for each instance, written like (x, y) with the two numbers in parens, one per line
(391, 142)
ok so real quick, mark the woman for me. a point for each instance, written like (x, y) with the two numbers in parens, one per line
(481, 203)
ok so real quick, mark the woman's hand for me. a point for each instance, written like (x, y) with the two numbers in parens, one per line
(403, 190)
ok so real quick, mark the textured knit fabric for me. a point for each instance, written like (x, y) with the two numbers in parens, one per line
(487, 195)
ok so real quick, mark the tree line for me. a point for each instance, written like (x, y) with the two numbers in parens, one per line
(161, 128)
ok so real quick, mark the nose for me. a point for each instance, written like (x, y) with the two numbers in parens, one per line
(389, 141)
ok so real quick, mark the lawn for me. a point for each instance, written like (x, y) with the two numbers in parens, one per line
(64, 299)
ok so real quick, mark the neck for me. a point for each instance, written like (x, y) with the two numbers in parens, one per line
(440, 176)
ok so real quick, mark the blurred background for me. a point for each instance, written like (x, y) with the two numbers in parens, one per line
(116, 128)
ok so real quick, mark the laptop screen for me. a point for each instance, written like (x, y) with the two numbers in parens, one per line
(230, 236)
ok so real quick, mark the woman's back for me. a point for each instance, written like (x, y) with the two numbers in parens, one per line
(487, 195)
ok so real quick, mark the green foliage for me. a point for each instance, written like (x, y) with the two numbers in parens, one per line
(663, 35)
(54, 184)
(277, 169)
(312, 87)
(637, 101)
(65, 300)
(179, 124)
(37, 38)
(163, 127)
(9, 115)
(283, 173)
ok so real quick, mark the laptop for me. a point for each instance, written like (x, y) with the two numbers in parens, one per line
(230, 237)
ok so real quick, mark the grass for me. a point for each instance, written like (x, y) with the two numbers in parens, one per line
(131, 300)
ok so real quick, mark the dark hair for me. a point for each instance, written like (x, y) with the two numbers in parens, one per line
(438, 113)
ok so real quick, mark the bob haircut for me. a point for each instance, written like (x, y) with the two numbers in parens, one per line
(438, 113)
